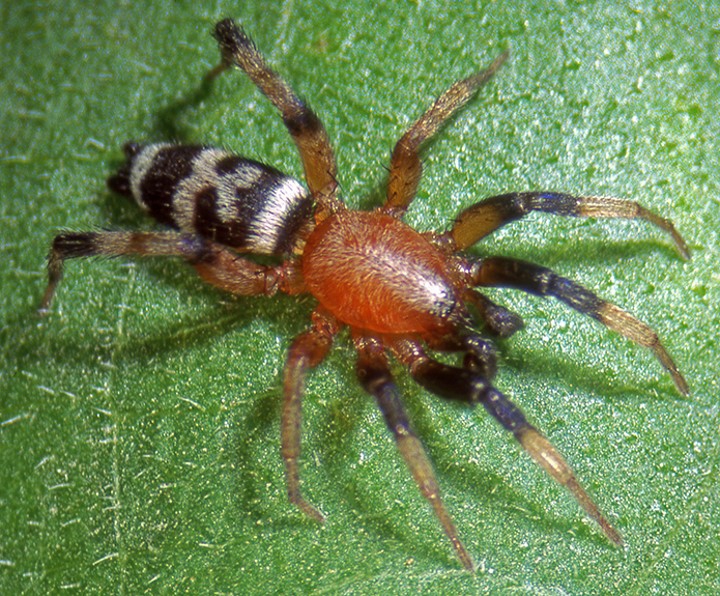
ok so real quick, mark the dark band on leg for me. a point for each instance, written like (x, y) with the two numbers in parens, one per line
(484, 217)
(462, 385)
(376, 379)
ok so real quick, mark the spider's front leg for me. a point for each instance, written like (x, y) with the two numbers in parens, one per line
(216, 264)
(466, 385)
(303, 124)
(306, 352)
(377, 380)
(514, 273)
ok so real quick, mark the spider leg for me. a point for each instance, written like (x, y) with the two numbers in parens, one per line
(304, 126)
(215, 263)
(465, 385)
(307, 351)
(483, 218)
(405, 164)
(376, 379)
(534, 279)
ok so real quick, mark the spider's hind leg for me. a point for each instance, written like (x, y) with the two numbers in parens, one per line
(216, 264)
(303, 124)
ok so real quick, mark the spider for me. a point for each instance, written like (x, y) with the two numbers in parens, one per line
(399, 291)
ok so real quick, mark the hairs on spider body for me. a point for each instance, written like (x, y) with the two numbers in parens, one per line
(398, 290)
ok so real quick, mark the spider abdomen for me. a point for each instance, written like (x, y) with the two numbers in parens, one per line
(232, 200)
(372, 271)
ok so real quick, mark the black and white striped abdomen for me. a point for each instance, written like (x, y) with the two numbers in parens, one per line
(232, 200)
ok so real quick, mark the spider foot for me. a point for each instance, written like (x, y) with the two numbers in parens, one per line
(294, 494)
(307, 508)
(544, 454)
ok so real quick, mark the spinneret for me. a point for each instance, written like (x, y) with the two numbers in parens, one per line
(400, 292)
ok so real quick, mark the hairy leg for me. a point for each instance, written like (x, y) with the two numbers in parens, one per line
(405, 164)
(304, 126)
(469, 387)
(306, 352)
(376, 379)
(499, 320)
(483, 218)
(215, 263)
(514, 273)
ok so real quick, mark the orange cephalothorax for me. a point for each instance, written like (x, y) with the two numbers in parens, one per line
(374, 272)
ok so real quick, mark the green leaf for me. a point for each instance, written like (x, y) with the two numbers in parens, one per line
(139, 422)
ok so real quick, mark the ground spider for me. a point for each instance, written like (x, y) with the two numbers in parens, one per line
(398, 290)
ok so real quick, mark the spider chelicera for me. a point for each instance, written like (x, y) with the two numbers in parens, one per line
(396, 289)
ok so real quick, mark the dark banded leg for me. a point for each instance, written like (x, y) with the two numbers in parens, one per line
(307, 351)
(513, 273)
(376, 379)
(466, 386)
(488, 215)
(405, 165)
(215, 263)
(304, 126)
